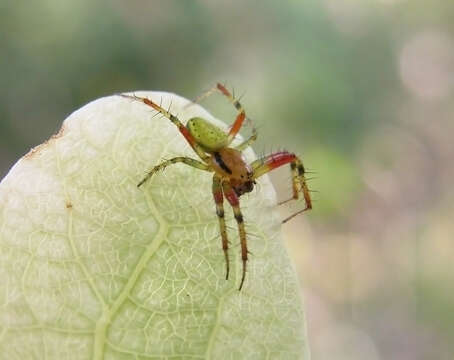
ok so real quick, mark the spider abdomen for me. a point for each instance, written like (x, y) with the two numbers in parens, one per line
(207, 135)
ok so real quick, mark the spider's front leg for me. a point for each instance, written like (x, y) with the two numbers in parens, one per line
(233, 199)
(164, 164)
(273, 161)
(183, 130)
(239, 119)
(219, 200)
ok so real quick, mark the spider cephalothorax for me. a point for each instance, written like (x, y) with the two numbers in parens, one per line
(233, 176)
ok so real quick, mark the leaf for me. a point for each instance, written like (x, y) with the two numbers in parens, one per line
(91, 267)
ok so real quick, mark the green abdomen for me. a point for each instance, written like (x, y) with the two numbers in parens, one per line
(207, 135)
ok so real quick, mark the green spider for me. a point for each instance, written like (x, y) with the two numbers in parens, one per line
(233, 176)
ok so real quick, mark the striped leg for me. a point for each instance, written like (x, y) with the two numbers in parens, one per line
(248, 142)
(219, 200)
(199, 98)
(183, 130)
(232, 198)
(273, 161)
(296, 185)
(241, 113)
(180, 159)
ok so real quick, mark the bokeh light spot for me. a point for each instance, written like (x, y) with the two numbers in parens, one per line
(427, 65)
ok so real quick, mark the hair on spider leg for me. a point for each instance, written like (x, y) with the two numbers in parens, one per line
(170, 105)
(268, 149)
(310, 171)
(280, 148)
(132, 96)
(242, 95)
(255, 129)
(314, 200)
(262, 154)
(234, 228)
(156, 113)
(312, 178)
(251, 236)
(250, 122)
(162, 116)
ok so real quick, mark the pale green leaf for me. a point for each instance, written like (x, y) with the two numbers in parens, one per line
(91, 267)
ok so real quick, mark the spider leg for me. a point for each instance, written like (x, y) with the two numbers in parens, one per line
(183, 130)
(199, 98)
(232, 198)
(249, 141)
(219, 200)
(273, 161)
(241, 113)
(164, 164)
(295, 183)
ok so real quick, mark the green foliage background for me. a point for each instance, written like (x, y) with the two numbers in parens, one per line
(361, 89)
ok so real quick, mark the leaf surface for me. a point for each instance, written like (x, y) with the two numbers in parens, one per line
(91, 267)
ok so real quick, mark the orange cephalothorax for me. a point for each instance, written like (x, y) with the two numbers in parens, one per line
(230, 163)
(232, 167)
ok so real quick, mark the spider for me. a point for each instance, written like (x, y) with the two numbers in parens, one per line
(233, 176)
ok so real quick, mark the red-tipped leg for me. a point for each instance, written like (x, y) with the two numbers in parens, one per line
(273, 161)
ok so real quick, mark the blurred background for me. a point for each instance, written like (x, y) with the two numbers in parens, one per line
(361, 89)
